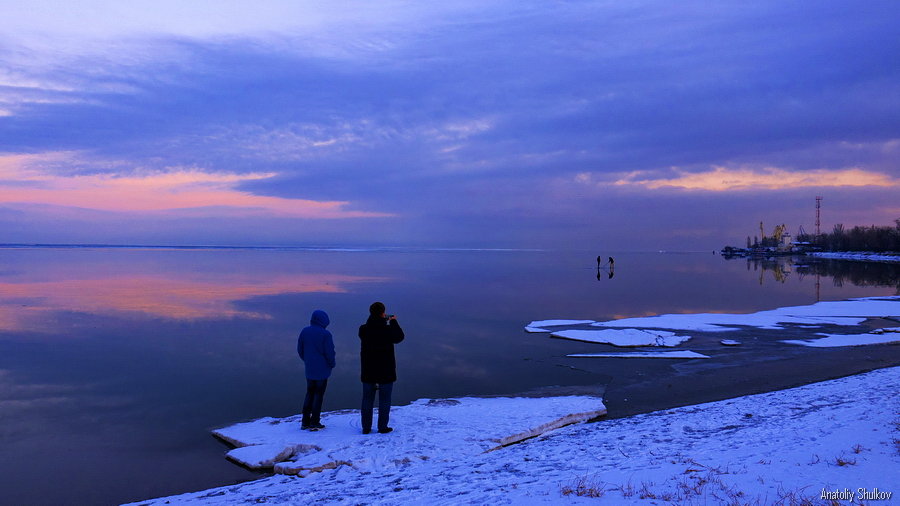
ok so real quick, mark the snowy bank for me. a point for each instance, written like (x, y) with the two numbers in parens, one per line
(787, 446)
(424, 430)
(857, 255)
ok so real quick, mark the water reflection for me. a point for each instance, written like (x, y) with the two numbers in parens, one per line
(123, 359)
(607, 270)
(861, 274)
(24, 303)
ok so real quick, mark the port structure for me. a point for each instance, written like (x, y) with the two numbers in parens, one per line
(818, 215)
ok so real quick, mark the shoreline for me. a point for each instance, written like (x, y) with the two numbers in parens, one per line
(631, 398)
(543, 469)
(763, 366)
(770, 358)
(858, 256)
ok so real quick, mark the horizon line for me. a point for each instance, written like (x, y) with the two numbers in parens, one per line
(356, 248)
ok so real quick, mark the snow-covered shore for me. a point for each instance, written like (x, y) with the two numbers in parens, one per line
(814, 441)
(857, 255)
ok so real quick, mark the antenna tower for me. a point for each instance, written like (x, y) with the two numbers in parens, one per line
(818, 215)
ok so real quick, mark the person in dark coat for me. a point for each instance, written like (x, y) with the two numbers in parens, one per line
(316, 347)
(377, 338)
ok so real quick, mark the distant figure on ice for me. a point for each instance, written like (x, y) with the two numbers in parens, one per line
(377, 338)
(611, 270)
(316, 347)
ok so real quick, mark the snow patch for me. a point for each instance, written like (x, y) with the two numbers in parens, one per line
(624, 337)
(425, 429)
(265, 456)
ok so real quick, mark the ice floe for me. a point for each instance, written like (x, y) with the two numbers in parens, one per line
(425, 429)
(778, 447)
(836, 340)
(847, 312)
(538, 326)
(729, 342)
(642, 354)
(624, 337)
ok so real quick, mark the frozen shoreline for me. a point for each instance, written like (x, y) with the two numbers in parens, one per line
(764, 447)
(856, 255)
(643, 331)
(788, 444)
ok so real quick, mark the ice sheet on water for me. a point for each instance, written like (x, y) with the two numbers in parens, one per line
(538, 326)
(624, 337)
(642, 354)
(837, 340)
(847, 312)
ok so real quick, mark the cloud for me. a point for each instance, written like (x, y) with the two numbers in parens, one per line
(176, 189)
(721, 179)
(459, 119)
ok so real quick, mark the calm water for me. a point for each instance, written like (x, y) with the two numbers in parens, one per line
(116, 363)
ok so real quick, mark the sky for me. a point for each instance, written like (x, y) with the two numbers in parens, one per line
(597, 125)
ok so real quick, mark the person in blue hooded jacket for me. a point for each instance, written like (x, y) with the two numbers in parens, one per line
(316, 347)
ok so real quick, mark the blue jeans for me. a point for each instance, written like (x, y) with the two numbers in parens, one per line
(384, 404)
(312, 405)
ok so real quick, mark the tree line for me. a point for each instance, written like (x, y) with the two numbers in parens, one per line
(878, 239)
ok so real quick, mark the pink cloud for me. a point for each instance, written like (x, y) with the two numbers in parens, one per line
(727, 179)
(154, 192)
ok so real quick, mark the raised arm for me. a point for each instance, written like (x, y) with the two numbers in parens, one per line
(396, 333)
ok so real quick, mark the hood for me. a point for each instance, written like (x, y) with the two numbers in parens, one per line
(319, 318)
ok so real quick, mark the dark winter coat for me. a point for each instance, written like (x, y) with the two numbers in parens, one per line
(316, 347)
(377, 339)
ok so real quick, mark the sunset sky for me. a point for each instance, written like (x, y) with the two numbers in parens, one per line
(601, 125)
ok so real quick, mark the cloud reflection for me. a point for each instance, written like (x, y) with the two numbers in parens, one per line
(26, 305)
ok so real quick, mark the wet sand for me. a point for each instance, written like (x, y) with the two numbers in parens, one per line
(761, 364)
